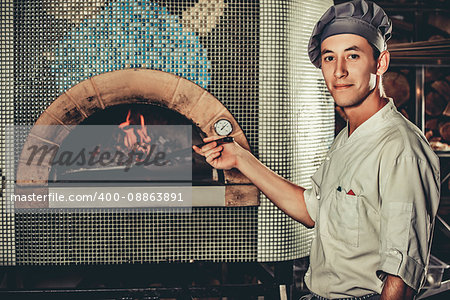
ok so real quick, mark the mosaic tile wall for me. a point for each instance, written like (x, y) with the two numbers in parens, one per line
(251, 55)
(7, 233)
(296, 117)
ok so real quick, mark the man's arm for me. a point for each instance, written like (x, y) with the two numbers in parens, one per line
(283, 193)
(396, 289)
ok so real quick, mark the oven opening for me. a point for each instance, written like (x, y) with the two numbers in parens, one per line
(131, 132)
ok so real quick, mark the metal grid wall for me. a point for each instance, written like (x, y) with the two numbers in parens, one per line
(135, 236)
(7, 240)
(296, 117)
(243, 52)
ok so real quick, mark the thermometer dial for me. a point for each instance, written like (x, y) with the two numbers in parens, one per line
(223, 127)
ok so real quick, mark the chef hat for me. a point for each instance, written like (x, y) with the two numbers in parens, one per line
(360, 17)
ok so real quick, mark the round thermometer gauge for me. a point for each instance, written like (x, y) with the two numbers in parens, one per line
(223, 127)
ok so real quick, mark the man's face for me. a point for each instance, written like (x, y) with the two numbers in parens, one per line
(348, 68)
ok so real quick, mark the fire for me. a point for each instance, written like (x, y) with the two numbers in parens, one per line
(136, 138)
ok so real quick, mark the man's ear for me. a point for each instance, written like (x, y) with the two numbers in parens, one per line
(383, 62)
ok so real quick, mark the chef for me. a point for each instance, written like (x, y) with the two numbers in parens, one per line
(374, 199)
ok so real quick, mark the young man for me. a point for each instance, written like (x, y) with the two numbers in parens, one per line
(375, 196)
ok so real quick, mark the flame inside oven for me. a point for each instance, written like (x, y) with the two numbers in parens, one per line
(136, 139)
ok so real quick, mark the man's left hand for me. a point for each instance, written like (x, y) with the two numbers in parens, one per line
(396, 289)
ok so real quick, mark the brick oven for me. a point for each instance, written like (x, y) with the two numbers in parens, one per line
(105, 99)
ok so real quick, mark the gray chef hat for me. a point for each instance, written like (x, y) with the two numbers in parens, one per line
(360, 17)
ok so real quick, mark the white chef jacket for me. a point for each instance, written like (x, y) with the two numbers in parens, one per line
(373, 200)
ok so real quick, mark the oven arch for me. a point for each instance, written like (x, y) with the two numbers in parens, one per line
(127, 87)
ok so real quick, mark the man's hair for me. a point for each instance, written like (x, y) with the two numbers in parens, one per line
(376, 52)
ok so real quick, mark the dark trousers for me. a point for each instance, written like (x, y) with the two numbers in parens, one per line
(313, 296)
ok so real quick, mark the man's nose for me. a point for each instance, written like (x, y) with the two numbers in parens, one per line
(340, 70)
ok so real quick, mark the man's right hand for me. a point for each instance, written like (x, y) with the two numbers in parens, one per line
(224, 156)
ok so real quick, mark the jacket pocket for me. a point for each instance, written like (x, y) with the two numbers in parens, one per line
(343, 218)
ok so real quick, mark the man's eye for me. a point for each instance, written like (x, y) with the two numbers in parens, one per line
(353, 56)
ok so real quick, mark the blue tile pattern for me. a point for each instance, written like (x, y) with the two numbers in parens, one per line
(130, 34)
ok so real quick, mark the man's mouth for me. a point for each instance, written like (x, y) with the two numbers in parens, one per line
(342, 86)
